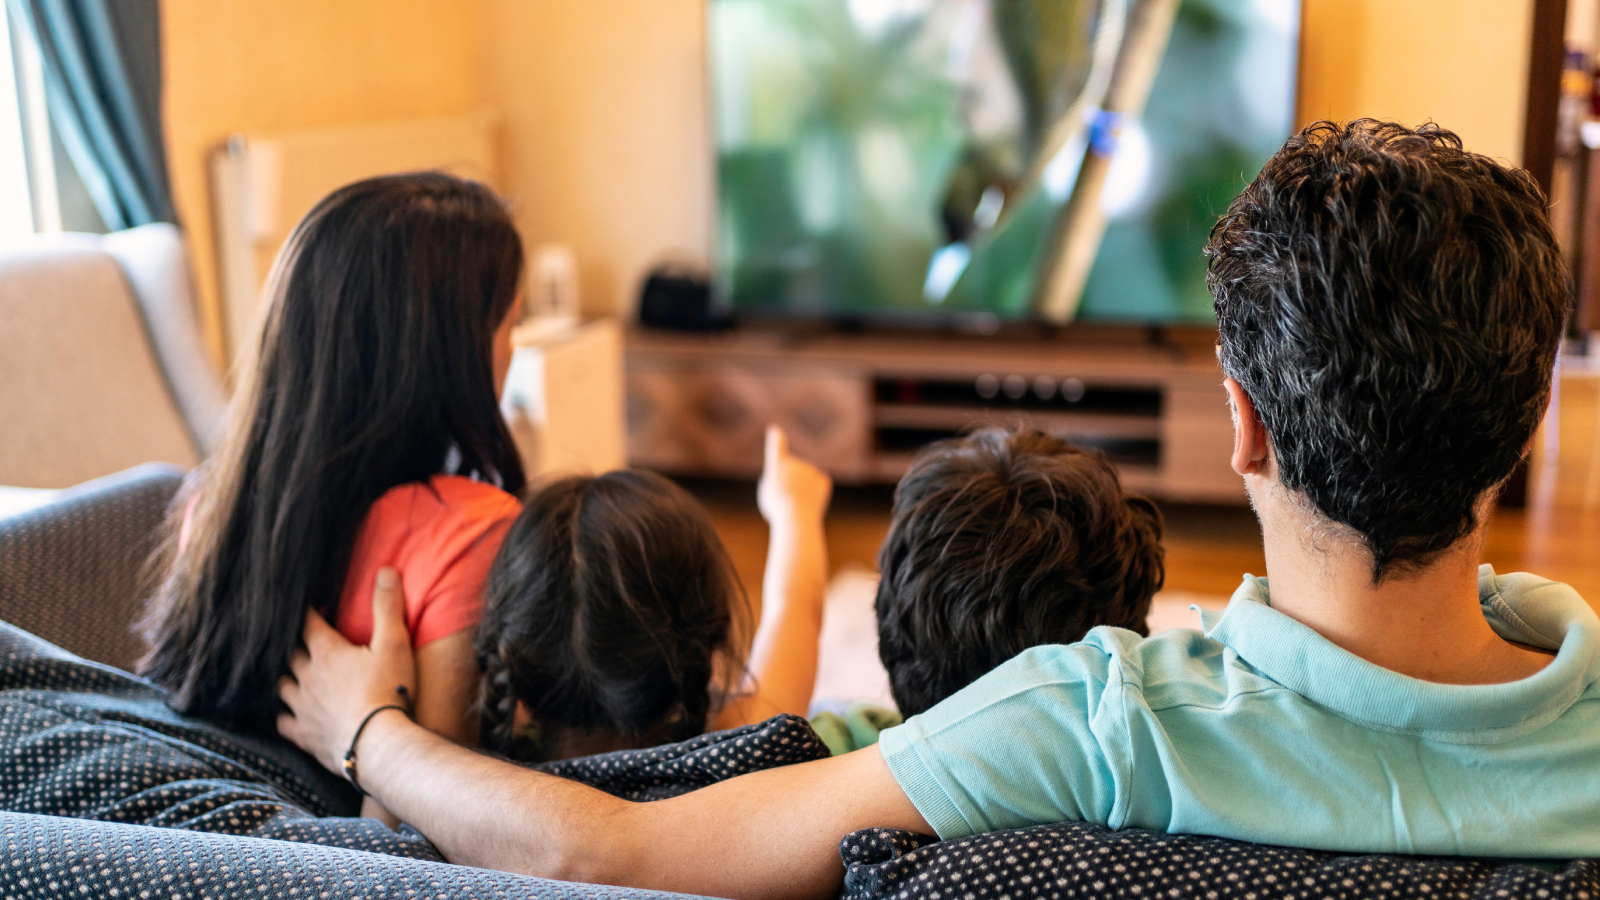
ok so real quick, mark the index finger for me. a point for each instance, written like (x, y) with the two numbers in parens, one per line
(777, 446)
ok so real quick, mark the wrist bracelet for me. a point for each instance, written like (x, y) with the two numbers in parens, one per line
(350, 755)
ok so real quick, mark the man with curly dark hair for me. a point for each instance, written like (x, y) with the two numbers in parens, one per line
(1389, 307)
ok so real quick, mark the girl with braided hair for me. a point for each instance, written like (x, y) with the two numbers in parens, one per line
(613, 619)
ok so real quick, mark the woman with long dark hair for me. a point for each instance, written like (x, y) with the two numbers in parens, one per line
(365, 432)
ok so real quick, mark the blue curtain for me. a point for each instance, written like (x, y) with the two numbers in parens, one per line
(102, 70)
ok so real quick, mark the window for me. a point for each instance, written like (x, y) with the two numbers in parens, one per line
(16, 207)
(40, 190)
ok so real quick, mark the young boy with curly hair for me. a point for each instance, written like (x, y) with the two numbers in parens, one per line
(999, 541)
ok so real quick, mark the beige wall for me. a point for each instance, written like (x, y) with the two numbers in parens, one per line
(606, 143)
(1461, 63)
(606, 130)
(240, 65)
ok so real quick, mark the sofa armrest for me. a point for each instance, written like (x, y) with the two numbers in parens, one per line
(70, 570)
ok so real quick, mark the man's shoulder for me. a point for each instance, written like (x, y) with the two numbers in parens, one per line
(1530, 609)
(1177, 667)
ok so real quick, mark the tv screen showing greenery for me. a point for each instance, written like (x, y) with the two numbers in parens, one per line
(913, 158)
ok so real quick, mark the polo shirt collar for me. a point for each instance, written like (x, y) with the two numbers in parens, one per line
(1519, 607)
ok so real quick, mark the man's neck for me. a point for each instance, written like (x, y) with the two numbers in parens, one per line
(1426, 623)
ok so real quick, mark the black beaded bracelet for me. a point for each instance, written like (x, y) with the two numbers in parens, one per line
(350, 755)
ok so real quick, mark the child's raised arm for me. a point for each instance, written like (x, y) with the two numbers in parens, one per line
(793, 497)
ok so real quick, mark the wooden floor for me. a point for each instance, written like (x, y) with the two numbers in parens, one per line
(1558, 535)
(1210, 548)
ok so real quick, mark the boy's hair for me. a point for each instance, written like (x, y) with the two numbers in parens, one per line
(1392, 304)
(611, 607)
(1001, 541)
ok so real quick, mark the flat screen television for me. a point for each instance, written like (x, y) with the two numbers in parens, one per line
(901, 159)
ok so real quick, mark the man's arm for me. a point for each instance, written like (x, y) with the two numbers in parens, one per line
(447, 686)
(768, 834)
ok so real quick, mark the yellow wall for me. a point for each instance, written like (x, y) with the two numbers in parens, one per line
(1461, 63)
(603, 104)
(607, 139)
(238, 65)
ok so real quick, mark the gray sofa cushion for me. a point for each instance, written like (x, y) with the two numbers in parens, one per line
(47, 858)
(1055, 862)
(89, 741)
(85, 740)
(91, 758)
(673, 769)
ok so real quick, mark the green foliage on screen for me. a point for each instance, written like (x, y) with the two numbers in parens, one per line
(864, 148)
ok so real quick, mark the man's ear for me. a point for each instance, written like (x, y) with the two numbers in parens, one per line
(1252, 448)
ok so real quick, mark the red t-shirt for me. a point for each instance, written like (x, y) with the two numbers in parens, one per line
(442, 536)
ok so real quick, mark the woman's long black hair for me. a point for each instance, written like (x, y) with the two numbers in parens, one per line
(374, 368)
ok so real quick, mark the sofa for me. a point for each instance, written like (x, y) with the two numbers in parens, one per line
(106, 793)
(102, 366)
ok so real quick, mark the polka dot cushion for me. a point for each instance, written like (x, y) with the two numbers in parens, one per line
(674, 769)
(1061, 862)
(92, 742)
(45, 858)
(87, 741)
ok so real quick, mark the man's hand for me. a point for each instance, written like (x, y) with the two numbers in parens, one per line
(335, 684)
(791, 490)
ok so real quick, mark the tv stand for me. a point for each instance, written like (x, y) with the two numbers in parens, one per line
(861, 404)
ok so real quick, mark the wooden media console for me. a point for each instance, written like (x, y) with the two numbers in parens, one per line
(861, 405)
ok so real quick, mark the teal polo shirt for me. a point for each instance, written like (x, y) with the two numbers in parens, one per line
(1259, 729)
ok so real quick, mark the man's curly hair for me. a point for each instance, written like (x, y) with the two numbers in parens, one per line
(1392, 304)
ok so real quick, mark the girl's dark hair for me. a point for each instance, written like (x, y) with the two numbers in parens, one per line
(1004, 540)
(611, 607)
(374, 368)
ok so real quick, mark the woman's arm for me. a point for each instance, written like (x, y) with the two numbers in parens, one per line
(793, 497)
